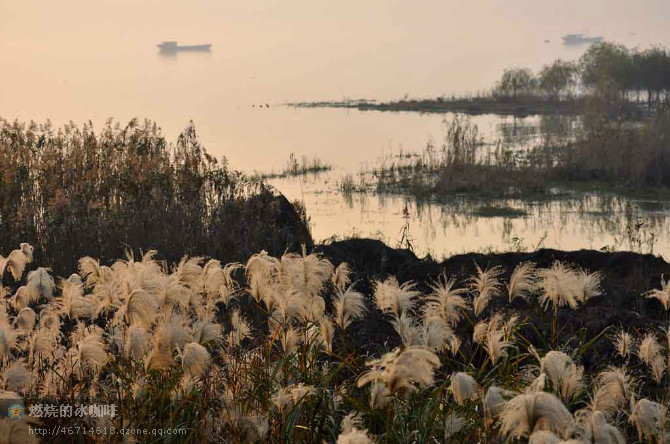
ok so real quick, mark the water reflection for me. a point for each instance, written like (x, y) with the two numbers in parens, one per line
(564, 219)
(532, 131)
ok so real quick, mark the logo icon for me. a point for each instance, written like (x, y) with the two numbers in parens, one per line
(15, 411)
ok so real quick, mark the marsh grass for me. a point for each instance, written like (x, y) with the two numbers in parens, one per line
(75, 191)
(605, 152)
(297, 167)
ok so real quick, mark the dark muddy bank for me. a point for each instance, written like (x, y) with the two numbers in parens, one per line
(519, 107)
(626, 276)
(472, 106)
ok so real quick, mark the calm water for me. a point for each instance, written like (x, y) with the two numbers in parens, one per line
(79, 60)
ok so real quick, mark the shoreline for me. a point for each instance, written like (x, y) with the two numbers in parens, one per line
(520, 107)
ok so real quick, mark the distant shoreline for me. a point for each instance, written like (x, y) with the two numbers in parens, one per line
(474, 106)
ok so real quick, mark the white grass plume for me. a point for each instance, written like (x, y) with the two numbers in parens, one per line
(291, 395)
(446, 301)
(437, 335)
(494, 400)
(21, 299)
(92, 272)
(140, 308)
(218, 281)
(4, 316)
(16, 262)
(305, 274)
(256, 428)
(50, 318)
(348, 305)
(287, 306)
(240, 329)
(316, 307)
(589, 284)
(479, 332)
(73, 303)
(509, 325)
(623, 343)
(16, 377)
(407, 330)
(564, 375)
(485, 285)
(401, 370)
(189, 273)
(341, 277)
(326, 333)
(137, 342)
(300, 391)
(261, 270)
(143, 274)
(529, 412)
(662, 295)
(649, 418)
(289, 339)
(522, 282)
(453, 424)
(282, 398)
(616, 386)
(560, 286)
(592, 426)
(171, 292)
(8, 342)
(91, 352)
(543, 437)
(379, 395)
(394, 298)
(354, 436)
(42, 344)
(108, 298)
(463, 387)
(353, 420)
(171, 332)
(26, 319)
(195, 359)
(494, 335)
(40, 285)
(649, 352)
(206, 332)
(496, 345)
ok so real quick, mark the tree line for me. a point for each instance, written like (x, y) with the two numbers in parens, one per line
(605, 68)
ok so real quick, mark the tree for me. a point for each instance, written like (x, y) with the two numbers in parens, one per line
(652, 72)
(515, 81)
(607, 67)
(556, 78)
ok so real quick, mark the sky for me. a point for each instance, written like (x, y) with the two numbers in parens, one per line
(302, 49)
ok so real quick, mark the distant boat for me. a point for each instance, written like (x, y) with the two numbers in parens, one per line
(173, 47)
(580, 39)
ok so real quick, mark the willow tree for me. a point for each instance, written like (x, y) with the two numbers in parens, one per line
(557, 78)
(516, 81)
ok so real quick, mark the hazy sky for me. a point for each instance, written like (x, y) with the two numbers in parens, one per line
(306, 48)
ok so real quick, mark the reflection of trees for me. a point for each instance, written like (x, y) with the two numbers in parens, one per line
(529, 132)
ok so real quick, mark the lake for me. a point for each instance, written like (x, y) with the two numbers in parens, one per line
(91, 60)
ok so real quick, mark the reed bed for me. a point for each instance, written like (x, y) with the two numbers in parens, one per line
(79, 191)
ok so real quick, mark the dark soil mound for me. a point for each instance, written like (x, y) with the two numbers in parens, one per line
(625, 277)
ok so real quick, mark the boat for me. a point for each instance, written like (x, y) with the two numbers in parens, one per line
(580, 39)
(173, 47)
